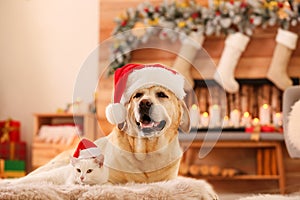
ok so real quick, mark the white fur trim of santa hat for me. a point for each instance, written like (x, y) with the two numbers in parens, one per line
(237, 40)
(132, 77)
(293, 133)
(150, 76)
(287, 38)
(90, 152)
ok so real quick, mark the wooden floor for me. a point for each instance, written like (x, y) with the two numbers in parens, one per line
(236, 196)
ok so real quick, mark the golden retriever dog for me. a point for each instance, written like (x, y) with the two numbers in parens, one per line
(147, 148)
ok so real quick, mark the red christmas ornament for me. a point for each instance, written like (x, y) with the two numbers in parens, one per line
(156, 8)
(280, 5)
(124, 23)
(243, 4)
(195, 15)
(251, 20)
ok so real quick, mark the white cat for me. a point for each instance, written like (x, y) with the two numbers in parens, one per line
(82, 171)
(88, 171)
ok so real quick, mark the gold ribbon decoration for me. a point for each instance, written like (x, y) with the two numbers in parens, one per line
(12, 149)
(6, 130)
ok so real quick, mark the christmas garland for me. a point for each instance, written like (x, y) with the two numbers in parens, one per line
(221, 17)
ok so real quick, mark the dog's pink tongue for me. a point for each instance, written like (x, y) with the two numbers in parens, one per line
(148, 125)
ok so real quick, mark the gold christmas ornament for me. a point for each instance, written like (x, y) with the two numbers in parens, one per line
(181, 24)
(153, 22)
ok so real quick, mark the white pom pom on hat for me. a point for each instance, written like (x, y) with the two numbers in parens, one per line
(132, 77)
(115, 113)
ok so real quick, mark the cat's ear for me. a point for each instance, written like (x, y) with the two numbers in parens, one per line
(99, 160)
(73, 160)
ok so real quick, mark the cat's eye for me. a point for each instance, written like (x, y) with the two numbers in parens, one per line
(138, 95)
(161, 95)
(89, 171)
(78, 170)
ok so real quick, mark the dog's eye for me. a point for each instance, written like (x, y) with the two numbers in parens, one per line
(138, 95)
(161, 95)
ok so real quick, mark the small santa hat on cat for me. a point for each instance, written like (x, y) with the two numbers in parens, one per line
(86, 149)
(132, 77)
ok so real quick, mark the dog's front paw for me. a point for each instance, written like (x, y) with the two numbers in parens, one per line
(198, 189)
(210, 195)
(207, 192)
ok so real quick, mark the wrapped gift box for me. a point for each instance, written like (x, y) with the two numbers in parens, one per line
(10, 131)
(13, 150)
(14, 165)
(12, 168)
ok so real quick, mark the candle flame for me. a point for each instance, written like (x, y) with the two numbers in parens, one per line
(194, 107)
(205, 114)
(246, 114)
(226, 118)
(255, 120)
(278, 114)
(265, 106)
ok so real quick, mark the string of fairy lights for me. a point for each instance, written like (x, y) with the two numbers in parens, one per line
(221, 17)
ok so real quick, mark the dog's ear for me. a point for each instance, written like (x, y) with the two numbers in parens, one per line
(185, 125)
(122, 126)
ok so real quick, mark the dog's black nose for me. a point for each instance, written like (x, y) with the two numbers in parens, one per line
(145, 104)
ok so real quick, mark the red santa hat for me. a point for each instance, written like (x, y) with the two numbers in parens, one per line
(132, 77)
(86, 149)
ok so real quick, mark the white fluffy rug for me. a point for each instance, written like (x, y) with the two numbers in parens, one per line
(177, 189)
(180, 188)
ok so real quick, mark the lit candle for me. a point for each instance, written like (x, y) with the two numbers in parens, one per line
(277, 119)
(255, 121)
(225, 122)
(204, 119)
(246, 119)
(215, 116)
(194, 116)
(235, 118)
(265, 114)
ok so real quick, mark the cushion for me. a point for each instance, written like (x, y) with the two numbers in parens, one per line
(293, 133)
